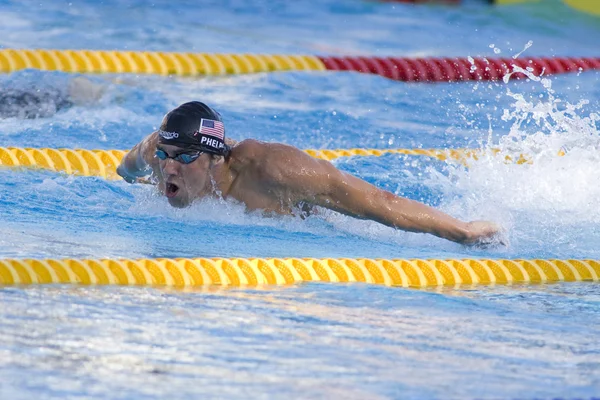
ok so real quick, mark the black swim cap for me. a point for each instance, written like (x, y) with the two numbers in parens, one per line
(196, 126)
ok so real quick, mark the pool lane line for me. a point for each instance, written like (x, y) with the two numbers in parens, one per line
(459, 69)
(103, 163)
(433, 69)
(148, 62)
(452, 2)
(196, 272)
(587, 6)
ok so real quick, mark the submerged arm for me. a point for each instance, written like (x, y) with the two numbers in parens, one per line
(139, 161)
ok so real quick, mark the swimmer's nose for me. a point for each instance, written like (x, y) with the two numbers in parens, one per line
(170, 167)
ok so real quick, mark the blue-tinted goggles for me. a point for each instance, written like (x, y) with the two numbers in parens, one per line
(184, 158)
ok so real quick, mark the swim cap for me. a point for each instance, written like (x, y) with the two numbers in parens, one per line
(196, 126)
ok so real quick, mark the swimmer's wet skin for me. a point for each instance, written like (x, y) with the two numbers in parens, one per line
(190, 158)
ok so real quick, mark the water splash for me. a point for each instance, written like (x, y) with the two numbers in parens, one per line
(557, 125)
(527, 45)
(547, 200)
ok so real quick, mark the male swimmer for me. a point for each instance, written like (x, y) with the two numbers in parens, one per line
(31, 102)
(190, 158)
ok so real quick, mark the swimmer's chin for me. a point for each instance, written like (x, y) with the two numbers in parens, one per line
(179, 202)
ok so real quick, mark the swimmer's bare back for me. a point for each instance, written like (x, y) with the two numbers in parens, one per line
(277, 178)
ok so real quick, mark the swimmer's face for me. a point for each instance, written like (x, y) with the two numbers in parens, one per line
(183, 183)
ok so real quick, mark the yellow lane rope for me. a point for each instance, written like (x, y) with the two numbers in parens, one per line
(103, 163)
(147, 62)
(280, 271)
(440, 154)
(587, 6)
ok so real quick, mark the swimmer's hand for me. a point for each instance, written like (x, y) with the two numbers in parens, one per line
(145, 181)
(137, 163)
(130, 178)
(123, 174)
(484, 233)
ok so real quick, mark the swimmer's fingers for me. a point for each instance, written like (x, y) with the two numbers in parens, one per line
(145, 181)
(497, 240)
(484, 234)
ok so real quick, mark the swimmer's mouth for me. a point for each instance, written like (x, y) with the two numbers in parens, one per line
(171, 189)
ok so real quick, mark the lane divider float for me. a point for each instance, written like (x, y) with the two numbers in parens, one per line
(103, 163)
(441, 69)
(458, 69)
(186, 272)
(148, 62)
(587, 6)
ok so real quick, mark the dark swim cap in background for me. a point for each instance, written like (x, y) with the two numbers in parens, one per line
(195, 126)
(32, 102)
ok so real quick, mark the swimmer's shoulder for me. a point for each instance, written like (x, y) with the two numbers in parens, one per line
(248, 151)
(252, 150)
(260, 156)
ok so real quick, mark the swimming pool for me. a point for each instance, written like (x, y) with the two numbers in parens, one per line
(311, 340)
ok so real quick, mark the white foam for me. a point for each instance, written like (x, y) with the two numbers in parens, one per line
(550, 200)
(324, 223)
(149, 202)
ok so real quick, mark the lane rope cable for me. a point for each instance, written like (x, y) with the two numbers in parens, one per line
(185, 272)
(433, 69)
(103, 163)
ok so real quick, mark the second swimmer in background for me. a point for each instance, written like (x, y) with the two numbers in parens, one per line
(37, 100)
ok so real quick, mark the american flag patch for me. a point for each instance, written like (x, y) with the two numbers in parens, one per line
(212, 128)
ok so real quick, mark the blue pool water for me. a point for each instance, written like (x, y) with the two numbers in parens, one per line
(309, 340)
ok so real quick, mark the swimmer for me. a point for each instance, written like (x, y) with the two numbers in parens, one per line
(189, 158)
(43, 102)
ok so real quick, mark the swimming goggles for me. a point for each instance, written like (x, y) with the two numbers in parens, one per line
(184, 158)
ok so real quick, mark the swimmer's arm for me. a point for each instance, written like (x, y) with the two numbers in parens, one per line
(140, 160)
(352, 196)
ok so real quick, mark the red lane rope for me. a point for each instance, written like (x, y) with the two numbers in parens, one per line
(422, 1)
(457, 69)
